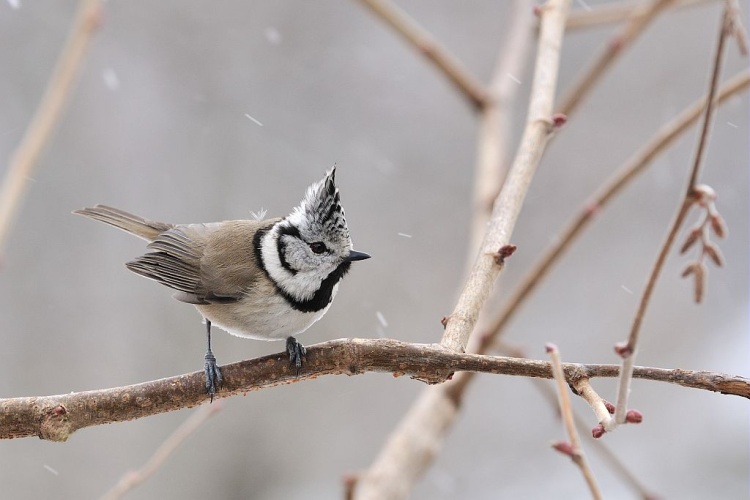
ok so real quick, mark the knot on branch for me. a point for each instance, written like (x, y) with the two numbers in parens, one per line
(55, 425)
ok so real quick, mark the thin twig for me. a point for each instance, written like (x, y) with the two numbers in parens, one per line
(539, 128)
(628, 351)
(599, 445)
(617, 12)
(133, 479)
(603, 415)
(48, 114)
(57, 417)
(616, 46)
(417, 36)
(738, 30)
(664, 137)
(575, 451)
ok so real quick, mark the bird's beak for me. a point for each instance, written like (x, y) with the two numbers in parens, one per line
(354, 255)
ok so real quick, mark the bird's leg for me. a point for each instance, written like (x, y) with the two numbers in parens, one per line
(213, 374)
(296, 352)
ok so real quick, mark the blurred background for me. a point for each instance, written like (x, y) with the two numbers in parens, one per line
(195, 111)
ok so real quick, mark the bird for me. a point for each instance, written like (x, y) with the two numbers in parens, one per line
(265, 279)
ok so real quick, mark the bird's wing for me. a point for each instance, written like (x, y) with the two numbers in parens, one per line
(205, 263)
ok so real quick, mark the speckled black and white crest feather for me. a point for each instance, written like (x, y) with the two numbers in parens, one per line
(321, 211)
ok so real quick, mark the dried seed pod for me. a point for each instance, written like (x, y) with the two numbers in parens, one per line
(718, 225)
(692, 237)
(690, 269)
(714, 253)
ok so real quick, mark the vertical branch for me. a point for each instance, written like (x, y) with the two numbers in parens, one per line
(415, 442)
(495, 121)
(538, 130)
(573, 448)
(47, 115)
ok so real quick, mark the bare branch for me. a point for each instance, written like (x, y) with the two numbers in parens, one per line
(575, 451)
(616, 46)
(57, 417)
(629, 350)
(738, 30)
(132, 479)
(583, 388)
(495, 121)
(48, 114)
(617, 12)
(417, 36)
(625, 174)
(539, 128)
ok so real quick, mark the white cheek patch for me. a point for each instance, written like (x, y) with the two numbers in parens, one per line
(301, 285)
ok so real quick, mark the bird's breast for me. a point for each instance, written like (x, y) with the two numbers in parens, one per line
(268, 317)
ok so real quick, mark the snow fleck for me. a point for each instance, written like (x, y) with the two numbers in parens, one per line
(404, 235)
(628, 290)
(514, 79)
(272, 35)
(53, 471)
(253, 120)
(110, 79)
(381, 319)
(15, 4)
(733, 125)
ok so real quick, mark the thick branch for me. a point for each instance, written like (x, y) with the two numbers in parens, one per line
(57, 417)
(539, 128)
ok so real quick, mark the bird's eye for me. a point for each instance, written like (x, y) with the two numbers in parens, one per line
(318, 247)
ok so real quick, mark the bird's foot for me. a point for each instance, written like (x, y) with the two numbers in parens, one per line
(213, 374)
(296, 352)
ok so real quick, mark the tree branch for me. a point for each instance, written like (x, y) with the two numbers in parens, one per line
(57, 417)
(623, 39)
(48, 114)
(539, 128)
(495, 122)
(636, 164)
(629, 349)
(573, 448)
(617, 12)
(132, 479)
(417, 36)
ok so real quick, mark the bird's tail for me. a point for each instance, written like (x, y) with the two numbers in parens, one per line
(143, 228)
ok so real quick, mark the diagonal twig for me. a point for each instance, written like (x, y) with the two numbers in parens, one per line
(48, 114)
(471, 88)
(616, 12)
(133, 479)
(665, 136)
(639, 21)
(573, 448)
